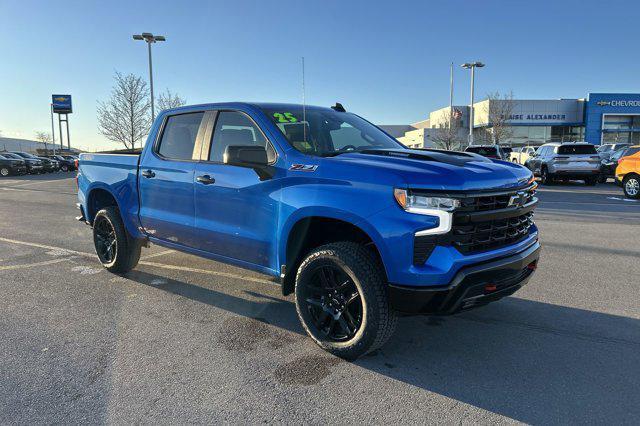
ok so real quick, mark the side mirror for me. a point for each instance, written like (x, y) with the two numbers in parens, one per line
(250, 156)
(246, 156)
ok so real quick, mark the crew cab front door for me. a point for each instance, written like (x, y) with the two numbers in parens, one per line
(167, 208)
(236, 210)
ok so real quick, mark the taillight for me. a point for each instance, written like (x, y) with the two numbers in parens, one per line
(77, 163)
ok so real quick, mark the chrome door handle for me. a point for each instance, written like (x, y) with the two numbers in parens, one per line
(205, 179)
(148, 174)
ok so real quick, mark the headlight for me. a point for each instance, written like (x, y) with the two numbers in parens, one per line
(440, 207)
(423, 204)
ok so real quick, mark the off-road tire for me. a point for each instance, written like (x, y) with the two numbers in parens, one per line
(127, 248)
(378, 320)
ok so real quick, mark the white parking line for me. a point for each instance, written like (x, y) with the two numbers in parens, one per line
(158, 265)
(623, 199)
(37, 182)
(31, 265)
(162, 253)
(44, 246)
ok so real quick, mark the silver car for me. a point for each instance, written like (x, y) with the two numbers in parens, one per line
(569, 160)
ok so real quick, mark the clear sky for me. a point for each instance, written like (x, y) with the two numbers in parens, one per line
(386, 60)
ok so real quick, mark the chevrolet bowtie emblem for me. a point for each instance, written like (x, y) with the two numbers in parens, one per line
(603, 103)
(517, 200)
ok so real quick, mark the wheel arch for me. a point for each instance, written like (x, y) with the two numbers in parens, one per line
(305, 232)
(98, 198)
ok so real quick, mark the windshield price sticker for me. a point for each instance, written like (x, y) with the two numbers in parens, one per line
(285, 117)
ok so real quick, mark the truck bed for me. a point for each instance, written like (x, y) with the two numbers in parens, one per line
(117, 174)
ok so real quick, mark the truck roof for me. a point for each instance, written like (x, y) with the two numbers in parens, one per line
(271, 105)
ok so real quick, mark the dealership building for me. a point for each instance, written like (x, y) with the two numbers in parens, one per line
(598, 119)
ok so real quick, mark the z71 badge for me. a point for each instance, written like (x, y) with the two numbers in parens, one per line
(304, 167)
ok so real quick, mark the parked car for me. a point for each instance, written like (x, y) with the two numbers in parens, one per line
(521, 154)
(606, 150)
(489, 151)
(628, 172)
(50, 165)
(568, 160)
(34, 165)
(608, 165)
(66, 164)
(11, 166)
(357, 226)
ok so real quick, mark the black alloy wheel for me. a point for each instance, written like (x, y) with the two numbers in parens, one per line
(105, 240)
(333, 303)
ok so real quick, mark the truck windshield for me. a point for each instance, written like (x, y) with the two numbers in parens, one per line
(324, 132)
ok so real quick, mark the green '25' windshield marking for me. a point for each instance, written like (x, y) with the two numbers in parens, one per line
(286, 117)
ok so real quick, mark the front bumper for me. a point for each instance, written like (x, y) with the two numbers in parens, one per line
(472, 286)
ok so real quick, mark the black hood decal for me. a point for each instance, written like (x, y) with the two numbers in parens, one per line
(454, 158)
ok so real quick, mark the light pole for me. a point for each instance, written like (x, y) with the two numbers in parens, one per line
(472, 66)
(150, 38)
(53, 133)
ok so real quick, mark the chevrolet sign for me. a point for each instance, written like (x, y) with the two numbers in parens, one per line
(61, 104)
(616, 103)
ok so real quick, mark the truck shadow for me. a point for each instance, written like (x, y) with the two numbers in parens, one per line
(530, 361)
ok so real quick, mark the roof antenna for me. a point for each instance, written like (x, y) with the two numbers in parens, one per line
(338, 107)
(304, 108)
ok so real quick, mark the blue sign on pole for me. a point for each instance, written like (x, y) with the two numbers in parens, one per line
(61, 104)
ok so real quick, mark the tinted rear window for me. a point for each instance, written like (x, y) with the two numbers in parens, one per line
(179, 136)
(631, 151)
(576, 149)
(482, 150)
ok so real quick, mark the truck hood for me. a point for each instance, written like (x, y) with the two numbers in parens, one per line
(442, 170)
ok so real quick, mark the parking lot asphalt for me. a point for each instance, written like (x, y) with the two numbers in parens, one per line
(188, 340)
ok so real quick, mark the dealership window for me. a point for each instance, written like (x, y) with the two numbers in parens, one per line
(615, 122)
(529, 134)
(567, 133)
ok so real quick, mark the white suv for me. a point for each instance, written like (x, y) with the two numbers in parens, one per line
(570, 160)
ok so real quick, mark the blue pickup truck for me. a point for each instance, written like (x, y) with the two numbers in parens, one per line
(358, 227)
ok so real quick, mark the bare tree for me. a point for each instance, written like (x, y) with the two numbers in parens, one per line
(447, 135)
(126, 116)
(499, 110)
(45, 138)
(168, 100)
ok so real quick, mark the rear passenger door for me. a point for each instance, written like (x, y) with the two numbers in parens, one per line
(236, 210)
(167, 209)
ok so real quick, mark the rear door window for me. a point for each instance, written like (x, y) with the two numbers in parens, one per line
(179, 136)
(583, 149)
